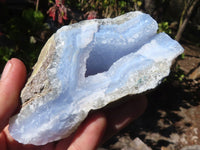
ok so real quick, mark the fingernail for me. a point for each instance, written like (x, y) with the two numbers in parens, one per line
(6, 70)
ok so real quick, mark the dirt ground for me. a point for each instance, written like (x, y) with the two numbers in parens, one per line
(172, 119)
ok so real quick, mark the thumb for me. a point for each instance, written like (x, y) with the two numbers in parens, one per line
(11, 83)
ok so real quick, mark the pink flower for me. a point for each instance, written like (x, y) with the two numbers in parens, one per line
(58, 10)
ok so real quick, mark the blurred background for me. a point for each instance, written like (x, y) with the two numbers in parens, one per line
(172, 114)
(25, 25)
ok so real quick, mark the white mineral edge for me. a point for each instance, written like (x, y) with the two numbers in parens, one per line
(61, 111)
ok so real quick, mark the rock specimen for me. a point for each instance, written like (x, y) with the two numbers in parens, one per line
(87, 65)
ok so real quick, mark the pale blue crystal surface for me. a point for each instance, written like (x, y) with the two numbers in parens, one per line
(95, 62)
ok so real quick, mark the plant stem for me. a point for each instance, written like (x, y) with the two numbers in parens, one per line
(187, 18)
(37, 4)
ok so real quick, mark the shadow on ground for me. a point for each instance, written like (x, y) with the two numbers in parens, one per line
(164, 122)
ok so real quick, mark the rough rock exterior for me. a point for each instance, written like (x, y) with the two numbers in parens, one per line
(87, 65)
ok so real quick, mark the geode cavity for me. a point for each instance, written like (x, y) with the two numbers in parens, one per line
(87, 65)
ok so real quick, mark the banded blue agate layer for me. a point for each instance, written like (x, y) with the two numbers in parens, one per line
(87, 65)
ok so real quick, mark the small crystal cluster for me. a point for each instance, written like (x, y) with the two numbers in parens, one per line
(87, 65)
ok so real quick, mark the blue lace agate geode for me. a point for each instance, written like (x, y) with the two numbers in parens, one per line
(87, 65)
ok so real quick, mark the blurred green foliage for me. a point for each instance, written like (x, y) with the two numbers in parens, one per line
(6, 53)
(164, 27)
(21, 37)
(23, 34)
(105, 8)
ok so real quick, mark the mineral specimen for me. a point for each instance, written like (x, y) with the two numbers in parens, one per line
(87, 65)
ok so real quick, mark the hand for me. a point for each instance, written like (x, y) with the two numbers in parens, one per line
(96, 129)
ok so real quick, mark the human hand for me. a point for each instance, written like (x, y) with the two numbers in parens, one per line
(96, 129)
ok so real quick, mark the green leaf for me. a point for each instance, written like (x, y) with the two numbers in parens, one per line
(6, 53)
(38, 16)
(182, 56)
(105, 2)
(123, 4)
(27, 14)
(164, 27)
(139, 3)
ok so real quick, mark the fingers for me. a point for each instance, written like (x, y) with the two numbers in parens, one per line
(121, 113)
(11, 83)
(88, 135)
(104, 122)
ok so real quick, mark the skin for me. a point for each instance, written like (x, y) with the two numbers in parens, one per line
(99, 126)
